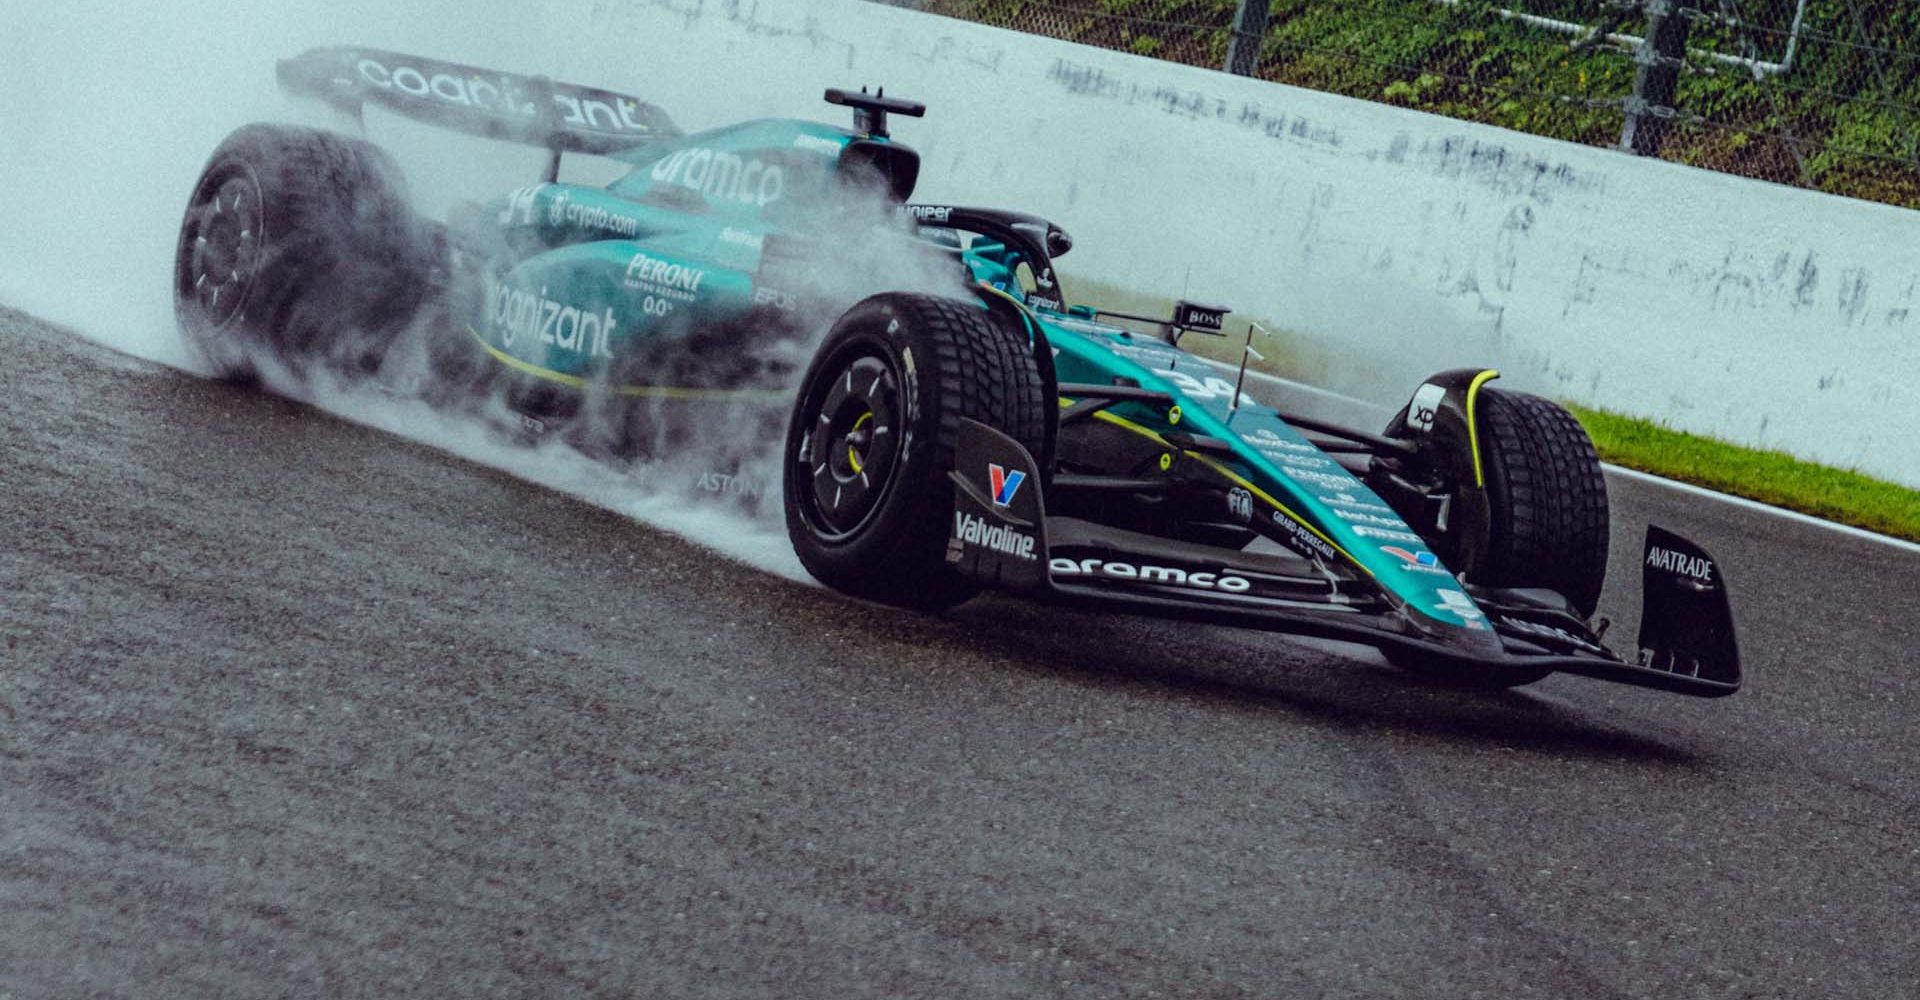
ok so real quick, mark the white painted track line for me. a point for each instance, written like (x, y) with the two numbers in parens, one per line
(1764, 508)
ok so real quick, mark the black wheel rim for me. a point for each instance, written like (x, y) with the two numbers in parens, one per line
(849, 450)
(221, 246)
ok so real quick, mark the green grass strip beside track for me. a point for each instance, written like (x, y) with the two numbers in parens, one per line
(1767, 476)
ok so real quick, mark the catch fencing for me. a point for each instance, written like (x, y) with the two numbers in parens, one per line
(1823, 94)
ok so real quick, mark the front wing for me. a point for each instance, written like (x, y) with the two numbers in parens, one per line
(1002, 537)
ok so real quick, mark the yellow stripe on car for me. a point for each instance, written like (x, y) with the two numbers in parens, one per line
(1473, 423)
(1229, 475)
(1026, 312)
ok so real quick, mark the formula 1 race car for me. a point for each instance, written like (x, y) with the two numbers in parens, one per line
(959, 425)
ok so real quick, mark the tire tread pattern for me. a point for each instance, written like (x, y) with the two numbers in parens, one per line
(1549, 498)
(984, 372)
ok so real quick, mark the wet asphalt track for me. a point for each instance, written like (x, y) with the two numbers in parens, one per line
(290, 707)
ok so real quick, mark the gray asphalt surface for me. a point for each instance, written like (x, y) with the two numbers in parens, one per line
(290, 707)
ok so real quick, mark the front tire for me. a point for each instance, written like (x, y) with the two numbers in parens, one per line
(872, 438)
(1548, 500)
(1541, 520)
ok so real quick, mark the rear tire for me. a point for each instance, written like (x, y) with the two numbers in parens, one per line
(298, 244)
(868, 500)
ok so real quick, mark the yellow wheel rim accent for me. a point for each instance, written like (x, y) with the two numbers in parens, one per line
(853, 457)
(1166, 462)
(1173, 415)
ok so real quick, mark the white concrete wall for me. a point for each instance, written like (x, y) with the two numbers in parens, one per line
(1407, 242)
(1750, 311)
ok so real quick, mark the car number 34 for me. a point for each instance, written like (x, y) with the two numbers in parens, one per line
(1211, 387)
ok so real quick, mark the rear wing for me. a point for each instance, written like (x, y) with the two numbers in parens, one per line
(534, 110)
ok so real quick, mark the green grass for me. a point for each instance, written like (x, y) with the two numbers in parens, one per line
(1771, 477)
(1767, 476)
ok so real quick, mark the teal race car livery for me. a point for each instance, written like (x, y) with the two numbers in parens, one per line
(948, 420)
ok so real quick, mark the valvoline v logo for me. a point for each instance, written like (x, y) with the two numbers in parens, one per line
(1005, 484)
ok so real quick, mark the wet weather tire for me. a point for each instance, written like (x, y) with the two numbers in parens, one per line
(1548, 500)
(298, 244)
(868, 500)
(1541, 522)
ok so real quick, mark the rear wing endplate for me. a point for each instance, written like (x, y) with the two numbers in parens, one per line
(534, 110)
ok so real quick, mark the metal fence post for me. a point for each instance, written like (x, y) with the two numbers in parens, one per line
(1249, 29)
(1660, 55)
